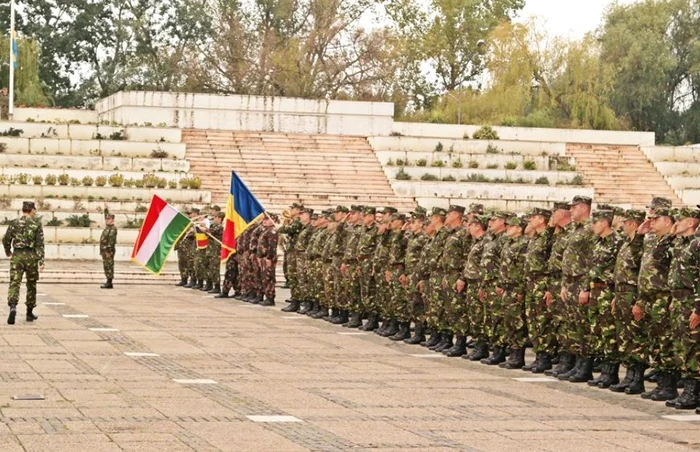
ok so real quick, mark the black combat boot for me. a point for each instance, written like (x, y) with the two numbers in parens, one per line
(669, 389)
(341, 318)
(418, 335)
(259, 298)
(403, 333)
(269, 301)
(479, 352)
(215, 289)
(355, 321)
(516, 360)
(636, 386)
(372, 322)
(313, 308)
(460, 347)
(199, 285)
(572, 371)
(445, 343)
(585, 372)
(611, 377)
(393, 328)
(293, 306)
(383, 326)
(305, 307)
(535, 363)
(107, 284)
(320, 313)
(629, 376)
(566, 363)
(435, 338)
(603, 372)
(190, 284)
(182, 283)
(333, 314)
(207, 287)
(238, 296)
(652, 376)
(30, 315)
(13, 314)
(689, 399)
(222, 294)
(497, 357)
(544, 365)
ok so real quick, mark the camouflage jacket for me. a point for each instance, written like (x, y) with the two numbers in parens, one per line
(414, 250)
(455, 250)
(217, 232)
(267, 243)
(108, 239)
(491, 259)
(576, 261)
(291, 232)
(316, 243)
(602, 263)
(303, 239)
(537, 254)
(397, 248)
(25, 233)
(472, 266)
(560, 240)
(656, 262)
(380, 259)
(254, 237)
(242, 241)
(512, 269)
(340, 239)
(187, 241)
(430, 261)
(367, 242)
(352, 239)
(328, 248)
(627, 263)
(685, 268)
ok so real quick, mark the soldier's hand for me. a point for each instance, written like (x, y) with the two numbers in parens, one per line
(520, 298)
(419, 286)
(583, 298)
(694, 321)
(387, 276)
(460, 286)
(548, 298)
(343, 268)
(499, 291)
(612, 306)
(444, 283)
(644, 228)
(41, 268)
(481, 295)
(563, 294)
(403, 280)
(268, 262)
(638, 312)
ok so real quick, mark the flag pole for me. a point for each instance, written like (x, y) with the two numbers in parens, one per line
(11, 106)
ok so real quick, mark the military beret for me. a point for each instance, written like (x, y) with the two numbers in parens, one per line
(370, 210)
(194, 210)
(456, 208)
(476, 208)
(356, 208)
(658, 202)
(314, 216)
(109, 216)
(419, 212)
(502, 214)
(561, 205)
(663, 212)
(343, 209)
(618, 211)
(215, 207)
(634, 215)
(398, 216)
(221, 215)
(603, 215)
(308, 210)
(481, 220)
(537, 211)
(687, 212)
(581, 200)
(515, 221)
(28, 205)
(297, 205)
(389, 210)
(439, 211)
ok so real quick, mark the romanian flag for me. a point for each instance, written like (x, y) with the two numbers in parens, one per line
(242, 209)
(202, 240)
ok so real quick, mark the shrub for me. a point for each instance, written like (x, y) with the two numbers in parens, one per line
(63, 179)
(150, 180)
(529, 165)
(79, 221)
(492, 166)
(475, 178)
(118, 136)
(465, 136)
(172, 184)
(560, 163)
(23, 178)
(184, 182)
(390, 162)
(50, 179)
(88, 181)
(439, 147)
(449, 179)
(396, 134)
(4, 180)
(74, 181)
(37, 180)
(138, 183)
(403, 175)
(90, 198)
(542, 181)
(491, 149)
(11, 132)
(116, 180)
(404, 162)
(129, 183)
(100, 181)
(458, 163)
(485, 133)
(473, 164)
(3, 147)
(437, 164)
(421, 162)
(159, 154)
(161, 182)
(195, 183)
(54, 222)
(510, 165)
(428, 176)
(140, 209)
(136, 223)
(576, 180)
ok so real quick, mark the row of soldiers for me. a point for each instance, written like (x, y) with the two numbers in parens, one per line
(199, 251)
(618, 286)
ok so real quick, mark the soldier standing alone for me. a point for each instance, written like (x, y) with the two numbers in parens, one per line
(108, 246)
(24, 245)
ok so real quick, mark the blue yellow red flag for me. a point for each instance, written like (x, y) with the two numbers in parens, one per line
(242, 209)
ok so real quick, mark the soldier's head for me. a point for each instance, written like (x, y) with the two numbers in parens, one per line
(295, 209)
(478, 225)
(194, 212)
(305, 216)
(355, 215)
(430, 230)
(662, 221)
(397, 221)
(437, 217)
(386, 214)
(498, 221)
(561, 215)
(688, 220)
(658, 202)
(538, 218)
(214, 211)
(602, 222)
(109, 218)
(515, 226)
(454, 215)
(28, 208)
(418, 220)
(219, 218)
(631, 220)
(580, 208)
(340, 214)
(370, 216)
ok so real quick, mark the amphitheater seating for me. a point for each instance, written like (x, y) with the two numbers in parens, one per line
(680, 166)
(280, 168)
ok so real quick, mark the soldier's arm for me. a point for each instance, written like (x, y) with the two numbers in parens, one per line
(272, 245)
(39, 245)
(7, 240)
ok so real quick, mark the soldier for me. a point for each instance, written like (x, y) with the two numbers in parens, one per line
(472, 322)
(290, 234)
(677, 347)
(188, 245)
(511, 290)
(327, 295)
(626, 278)
(300, 247)
(349, 269)
(242, 243)
(314, 263)
(24, 245)
(430, 284)
(599, 296)
(415, 246)
(267, 256)
(365, 250)
(339, 314)
(255, 295)
(200, 254)
(380, 263)
(651, 316)
(182, 257)
(108, 246)
(213, 253)
(231, 278)
(396, 295)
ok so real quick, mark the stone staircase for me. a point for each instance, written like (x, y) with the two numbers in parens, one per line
(280, 168)
(620, 175)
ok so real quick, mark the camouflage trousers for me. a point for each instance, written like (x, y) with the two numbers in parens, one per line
(108, 265)
(231, 279)
(626, 330)
(200, 268)
(328, 295)
(182, 264)
(268, 277)
(577, 323)
(435, 302)
(455, 318)
(514, 332)
(290, 274)
(398, 306)
(558, 312)
(302, 278)
(337, 292)
(256, 274)
(475, 312)
(314, 271)
(383, 295)
(367, 288)
(539, 317)
(493, 314)
(686, 351)
(213, 263)
(23, 263)
(417, 301)
(603, 337)
(349, 287)
(655, 342)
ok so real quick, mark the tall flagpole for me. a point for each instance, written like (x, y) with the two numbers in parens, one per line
(12, 60)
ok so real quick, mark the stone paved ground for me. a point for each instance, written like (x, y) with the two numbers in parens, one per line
(349, 392)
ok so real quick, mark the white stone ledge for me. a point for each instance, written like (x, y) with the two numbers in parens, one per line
(690, 196)
(94, 163)
(107, 193)
(106, 148)
(82, 236)
(683, 182)
(55, 115)
(687, 154)
(80, 173)
(678, 168)
(543, 163)
(90, 131)
(416, 173)
(413, 144)
(468, 190)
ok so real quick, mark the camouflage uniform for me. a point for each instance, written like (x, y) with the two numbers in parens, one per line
(200, 261)
(340, 238)
(291, 232)
(455, 250)
(242, 252)
(492, 304)
(231, 275)
(350, 281)
(538, 315)
(433, 293)
(300, 252)
(328, 293)
(365, 250)
(255, 269)
(24, 240)
(417, 243)
(213, 254)
(185, 251)
(380, 263)
(397, 265)
(108, 246)
(314, 263)
(558, 309)
(626, 277)
(513, 330)
(267, 257)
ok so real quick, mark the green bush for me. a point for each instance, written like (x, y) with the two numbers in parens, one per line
(12, 132)
(529, 165)
(465, 136)
(63, 179)
(492, 166)
(439, 147)
(473, 164)
(449, 179)
(429, 177)
(542, 181)
(136, 223)
(23, 178)
(74, 181)
(159, 154)
(485, 133)
(421, 162)
(475, 178)
(195, 183)
(100, 181)
(491, 149)
(457, 163)
(161, 182)
(128, 183)
(116, 180)
(390, 162)
(79, 221)
(50, 179)
(54, 222)
(138, 183)
(172, 184)
(38, 180)
(437, 164)
(118, 136)
(150, 180)
(402, 175)
(576, 180)
(184, 182)
(88, 181)
(510, 165)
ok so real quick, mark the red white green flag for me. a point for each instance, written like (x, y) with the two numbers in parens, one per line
(162, 228)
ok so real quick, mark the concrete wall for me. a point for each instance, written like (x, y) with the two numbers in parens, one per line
(554, 177)
(409, 144)
(55, 115)
(475, 191)
(67, 146)
(90, 131)
(672, 153)
(411, 129)
(254, 113)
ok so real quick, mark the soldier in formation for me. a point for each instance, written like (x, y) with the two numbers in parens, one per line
(108, 246)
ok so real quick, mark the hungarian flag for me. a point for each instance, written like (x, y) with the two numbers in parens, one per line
(242, 209)
(162, 228)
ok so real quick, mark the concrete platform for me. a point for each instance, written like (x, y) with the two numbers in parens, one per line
(155, 368)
